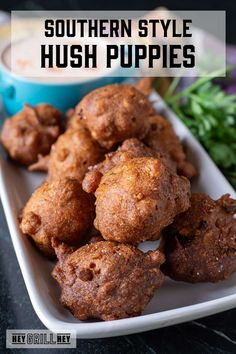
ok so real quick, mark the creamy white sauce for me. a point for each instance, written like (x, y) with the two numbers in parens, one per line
(23, 59)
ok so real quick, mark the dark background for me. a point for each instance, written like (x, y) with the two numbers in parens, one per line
(228, 5)
(215, 334)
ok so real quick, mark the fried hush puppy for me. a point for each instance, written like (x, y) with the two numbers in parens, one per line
(144, 85)
(31, 132)
(106, 280)
(73, 120)
(136, 199)
(131, 148)
(71, 155)
(161, 137)
(200, 246)
(59, 209)
(114, 113)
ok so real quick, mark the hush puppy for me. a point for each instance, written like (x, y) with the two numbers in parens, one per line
(106, 280)
(161, 137)
(59, 209)
(131, 148)
(114, 113)
(71, 155)
(136, 199)
(200, 246)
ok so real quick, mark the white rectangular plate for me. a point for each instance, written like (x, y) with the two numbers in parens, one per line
(175, 302)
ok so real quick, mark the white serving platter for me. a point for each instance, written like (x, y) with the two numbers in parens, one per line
(175, 302)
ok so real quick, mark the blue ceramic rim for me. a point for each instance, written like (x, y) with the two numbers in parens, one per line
(15, 76)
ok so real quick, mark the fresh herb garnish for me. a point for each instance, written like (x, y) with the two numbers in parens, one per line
(210, 114)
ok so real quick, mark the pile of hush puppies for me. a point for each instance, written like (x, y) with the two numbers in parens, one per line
(117, 175)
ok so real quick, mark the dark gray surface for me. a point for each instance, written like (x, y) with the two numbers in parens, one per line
(215, 334)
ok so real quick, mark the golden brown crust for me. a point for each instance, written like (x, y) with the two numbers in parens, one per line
(73, 120)
(41, 164)
(145, 85)
(114, 113)
(96, 238)
(71, 155)
(200, 245)
(162, 138)
(59, 209)
(106, 280)
(131, 148)
(31, 132)
(136, 199)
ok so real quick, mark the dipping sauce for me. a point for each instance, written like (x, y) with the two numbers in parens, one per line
(24, 59)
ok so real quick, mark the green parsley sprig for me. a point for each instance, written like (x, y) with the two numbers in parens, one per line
(210, 114)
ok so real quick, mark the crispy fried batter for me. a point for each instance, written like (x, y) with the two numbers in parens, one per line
(96, 238)
(41, 165)
(106, 280)
(136, 199)
(71, 155)
(162, 137)
(145, 85)
(114, 113)
(58, 209)
(31, 132)
(73, 120)
(200, 245)
(131, 148)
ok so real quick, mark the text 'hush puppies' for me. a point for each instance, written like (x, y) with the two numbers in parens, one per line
(136, 199)
(106, 280)
(114, 113)
(200, 246)
(59, 209)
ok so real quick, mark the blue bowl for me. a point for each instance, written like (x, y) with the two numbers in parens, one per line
(17, 90)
